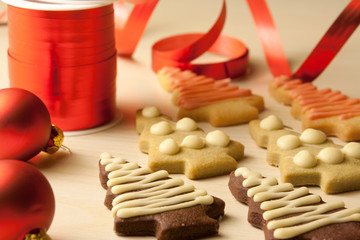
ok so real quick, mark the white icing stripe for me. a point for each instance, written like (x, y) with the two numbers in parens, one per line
(142, 192)
(281, 200)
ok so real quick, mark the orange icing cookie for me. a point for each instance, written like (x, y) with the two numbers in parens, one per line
(206, 99)
(329, 111)
(309, 158)
(182, 147)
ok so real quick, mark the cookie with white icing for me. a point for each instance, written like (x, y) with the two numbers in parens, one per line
(143, 202)
(324, 109)
(182, 147)
(283, 212)
(308, 158)
(205, 99)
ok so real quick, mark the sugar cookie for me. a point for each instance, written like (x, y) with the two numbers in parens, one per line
(205, 99)
(182, 147)
(309, 158)
(329, 111)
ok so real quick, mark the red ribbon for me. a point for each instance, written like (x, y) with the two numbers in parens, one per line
(68, 59)
(2, 15)
(323, 53)
(179, 51)
(129, 28)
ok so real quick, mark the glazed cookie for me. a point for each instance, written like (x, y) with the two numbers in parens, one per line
(309, 158)
(205, 99)
(283, 212)
(150, 203)
(182, 147)
(329, 111)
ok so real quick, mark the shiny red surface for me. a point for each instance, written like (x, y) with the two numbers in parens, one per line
(25, 125)
(68, 59)
(180, 50)
(130, 27)
(323, 53)
(26, 200)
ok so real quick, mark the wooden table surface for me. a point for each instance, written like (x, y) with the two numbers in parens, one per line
(80, 213)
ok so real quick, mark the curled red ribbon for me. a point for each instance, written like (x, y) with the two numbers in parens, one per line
(129, 28)
(68, 59)
(322, 54)
(179, 51)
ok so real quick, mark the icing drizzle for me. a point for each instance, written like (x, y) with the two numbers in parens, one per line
(279, 200)
(198, 90)
(320, 103)
(142, 192)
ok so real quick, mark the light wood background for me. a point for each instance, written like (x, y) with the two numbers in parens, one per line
(80, 213)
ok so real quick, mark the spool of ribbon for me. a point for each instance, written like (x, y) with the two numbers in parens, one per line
(323, 53)
(67, 58)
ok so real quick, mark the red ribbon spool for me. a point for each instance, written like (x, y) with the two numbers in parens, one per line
(68, 59)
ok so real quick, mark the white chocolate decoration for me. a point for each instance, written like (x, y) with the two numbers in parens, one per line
(305, 159)
(142, 192)
(217, 138)
(331, 155)
(271, 122)
(352, 149)
(278, 200)
(288, 142)
(161, 128)
(150, 112)
(186, 124)
(313, 136)
(193, 141)
(169, 147)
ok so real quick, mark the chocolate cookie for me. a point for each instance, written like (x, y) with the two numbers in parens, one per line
(151, 203)
(283, 212)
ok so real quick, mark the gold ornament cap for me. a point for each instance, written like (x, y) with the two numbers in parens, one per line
(41, 235)
(55, 141)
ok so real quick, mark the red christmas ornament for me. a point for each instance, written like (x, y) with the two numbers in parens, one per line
(27, 203)
(25, 127)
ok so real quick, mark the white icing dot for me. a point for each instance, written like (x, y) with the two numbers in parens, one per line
(352, 149)
(331, 155)
(288, 142)
(305, 159)
(186, 124)
(169, 146)
(313, 136)
(193, 141)
(150, 112)
(217, 138)
(161, 128)
(105, 155)
(271, 122)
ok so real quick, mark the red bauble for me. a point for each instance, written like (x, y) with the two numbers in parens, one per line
(25, 125)
(26, 200)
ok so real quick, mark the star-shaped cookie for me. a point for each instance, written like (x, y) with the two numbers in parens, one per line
(309, 158)
(182, 147)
